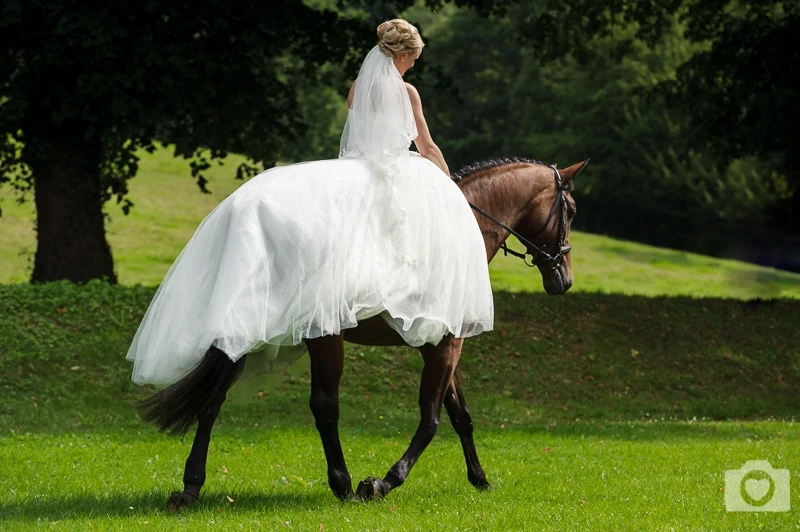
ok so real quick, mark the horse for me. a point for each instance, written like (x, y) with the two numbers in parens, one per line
(519, 197)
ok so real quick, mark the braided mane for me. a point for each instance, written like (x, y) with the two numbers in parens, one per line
(470, 169)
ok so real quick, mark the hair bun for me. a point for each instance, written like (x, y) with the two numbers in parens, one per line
(384, 28)
(397, 36)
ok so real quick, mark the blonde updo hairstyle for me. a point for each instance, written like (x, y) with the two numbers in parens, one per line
(397, 36)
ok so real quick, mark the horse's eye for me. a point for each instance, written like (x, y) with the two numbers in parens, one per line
(572, 213)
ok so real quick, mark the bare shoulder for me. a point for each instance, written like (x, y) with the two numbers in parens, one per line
(413, 93)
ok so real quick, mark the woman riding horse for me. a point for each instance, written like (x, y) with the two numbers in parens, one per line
(378, 247)
(308, 250)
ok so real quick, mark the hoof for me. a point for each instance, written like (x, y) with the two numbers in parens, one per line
(180, 500)
(480, 482)
(370, 489)
(347, 495)
(484, 486)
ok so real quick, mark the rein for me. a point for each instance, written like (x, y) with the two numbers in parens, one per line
(540, 254)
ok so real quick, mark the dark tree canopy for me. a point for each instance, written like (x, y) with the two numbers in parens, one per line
(741, 88)
(83, 86)
(744, 86)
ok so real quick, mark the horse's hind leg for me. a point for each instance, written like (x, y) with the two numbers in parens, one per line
(440, 364)
(327, 363)
(462, 423)
(197, 397)
(194, 474)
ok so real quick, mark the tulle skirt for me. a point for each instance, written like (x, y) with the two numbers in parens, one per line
(310, 249)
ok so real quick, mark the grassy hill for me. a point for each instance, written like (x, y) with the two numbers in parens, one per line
(550, 359)
(168, 208)
(600, 411)
(615, 337)
(619, 405)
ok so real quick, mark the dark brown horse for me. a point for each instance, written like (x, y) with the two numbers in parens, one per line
(520, 197)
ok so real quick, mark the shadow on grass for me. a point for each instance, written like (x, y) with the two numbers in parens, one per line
(152, 504)
(397, 427)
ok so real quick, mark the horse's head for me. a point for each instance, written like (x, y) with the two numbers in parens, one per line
(531, 201)
(544, 225)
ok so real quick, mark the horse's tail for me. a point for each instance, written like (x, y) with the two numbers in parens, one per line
(175, 409)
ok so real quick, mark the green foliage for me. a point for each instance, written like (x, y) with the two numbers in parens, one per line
(85, 88)
(740, 89)
(686, 108)
(648, 181)
(470, 87)
(194, 76)
(737, 90)
(57, 338)
(322, 105)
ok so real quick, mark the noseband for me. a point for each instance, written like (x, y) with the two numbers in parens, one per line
(539, 255)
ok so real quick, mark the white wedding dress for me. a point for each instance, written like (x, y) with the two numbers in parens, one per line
(309, 249)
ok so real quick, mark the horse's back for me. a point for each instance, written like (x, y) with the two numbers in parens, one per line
(313, 249)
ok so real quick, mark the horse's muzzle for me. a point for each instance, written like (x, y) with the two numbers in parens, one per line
(557, 280)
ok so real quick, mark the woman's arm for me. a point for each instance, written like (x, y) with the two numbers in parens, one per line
(424, 142)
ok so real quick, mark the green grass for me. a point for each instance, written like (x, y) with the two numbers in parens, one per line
(592, 411)
(640, 476)
(169, 207)
(580, 356)
(608, 265)
(618, 406)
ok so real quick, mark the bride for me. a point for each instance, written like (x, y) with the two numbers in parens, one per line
(310, 249)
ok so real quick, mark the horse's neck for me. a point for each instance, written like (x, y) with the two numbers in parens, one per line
(503, 193)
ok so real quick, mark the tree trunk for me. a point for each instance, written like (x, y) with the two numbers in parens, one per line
(71, 239)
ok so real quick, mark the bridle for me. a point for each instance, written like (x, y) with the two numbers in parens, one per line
(539, 255)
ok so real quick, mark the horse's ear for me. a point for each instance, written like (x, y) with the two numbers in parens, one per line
(567, 174)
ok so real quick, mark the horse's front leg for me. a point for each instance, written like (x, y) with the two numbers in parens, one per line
(327, 363)
(440, 365)
(461, 419)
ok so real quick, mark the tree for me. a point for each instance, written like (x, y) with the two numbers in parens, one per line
(323, 103)
(84, 86)
(486, 96)
(740, 89)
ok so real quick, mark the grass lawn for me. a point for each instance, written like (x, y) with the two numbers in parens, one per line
(618, 406)
(592, 411)
(630, 476)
